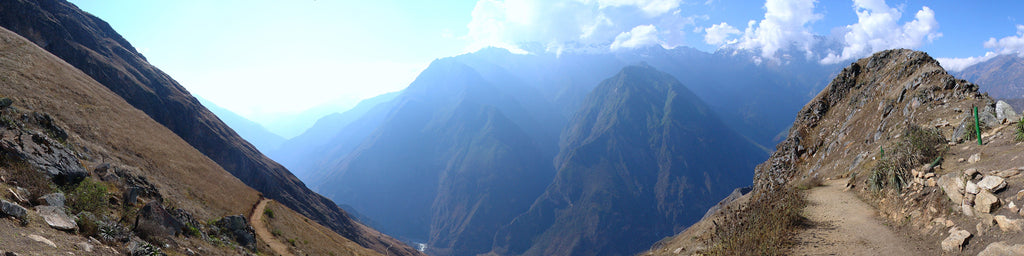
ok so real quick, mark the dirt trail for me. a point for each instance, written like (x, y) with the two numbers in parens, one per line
(845, 225)
(256, 221)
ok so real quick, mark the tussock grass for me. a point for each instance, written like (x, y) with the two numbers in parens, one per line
(917, 146)
(1018, 134)
(88, 196)
(765, 227)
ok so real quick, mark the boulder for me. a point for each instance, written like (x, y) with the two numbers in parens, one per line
(992, 183)
(948, 184)
(42, 239)
(1001, 249)
(1006, 224)
(970, 173)
(239, 228)
(12, 209)
(1004, 112)
(56, 217)
(986, 202)
(155, 221)
(956, 240)
(54, 199)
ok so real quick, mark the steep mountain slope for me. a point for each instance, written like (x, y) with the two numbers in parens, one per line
(640, 159)
(449, 157)
(252, 132)
(92, 46)
(1001, 77)
(110, 143)
(904, 103)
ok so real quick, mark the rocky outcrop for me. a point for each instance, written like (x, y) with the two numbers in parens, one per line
(12, 209)
(238, 228)
(154, 222)
(956, 240)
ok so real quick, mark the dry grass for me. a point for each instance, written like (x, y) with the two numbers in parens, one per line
(917, 146)
(23, 175)
(765, 227)
(1018, 134)
(305, 236)
(809, 182)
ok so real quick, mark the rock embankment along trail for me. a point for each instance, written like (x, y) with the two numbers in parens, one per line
(842, 224)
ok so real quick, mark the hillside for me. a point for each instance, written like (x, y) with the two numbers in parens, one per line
(1001, 77)
(640, 159)
(91, 45)
(896, 126)
(63, 131)
(260, 137)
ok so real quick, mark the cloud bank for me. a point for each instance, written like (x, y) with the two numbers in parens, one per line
(877, 29)
(577, 24)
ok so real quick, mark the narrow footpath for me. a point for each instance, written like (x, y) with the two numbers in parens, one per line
(256, 221)
(845, 225)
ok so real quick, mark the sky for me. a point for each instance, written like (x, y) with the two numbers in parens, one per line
(263, 59)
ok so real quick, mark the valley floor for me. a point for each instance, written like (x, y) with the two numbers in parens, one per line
(842, 224)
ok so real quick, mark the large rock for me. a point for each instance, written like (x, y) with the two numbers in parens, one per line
(972, 188)
(986, 202)
(1005, 112)
(239, 228)
(956, 240)
(56, 217)
(155, 221)
(54, 199)
(992, 183)
(948, 184)
(43, 152)
(1006, 224)
(12, 209)
(1001, 249)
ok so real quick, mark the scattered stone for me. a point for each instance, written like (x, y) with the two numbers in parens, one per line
(41, 239)
(967, 209)
(960, 160)
(12, 209)
(930, 182)
(1000, 249)
(971, 172)
(84, 246)
(986, 202)
(1006, 174)
(155, 221)
(1020, 194)
(972, 188)
(974, 158)
(55, 199)
(1006, 224)
(948, 184)
(956, 240)
(56, 217)
(929, 175)
(10, 254)
(992, 183)
(237, 226)
(949, 223)
(981, 228)
(1011, 206)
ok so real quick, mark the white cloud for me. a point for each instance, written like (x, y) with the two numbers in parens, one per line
(1005, 45)
(639, 36)
(573, 24)
(718, 34)
(785, 23)
(1008, 45)
(878, 28)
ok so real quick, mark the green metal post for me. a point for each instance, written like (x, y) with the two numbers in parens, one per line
(977, 125)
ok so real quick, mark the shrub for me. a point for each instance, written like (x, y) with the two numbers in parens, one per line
(192, 231)
(916, 147)
(1019, 134)
(88, 196)
(268, 212)
(276, 232)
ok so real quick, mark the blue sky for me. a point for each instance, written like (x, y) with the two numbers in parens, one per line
(300, 54)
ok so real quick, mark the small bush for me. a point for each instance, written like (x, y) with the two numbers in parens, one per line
(291, 241)
(1019, 134)
(276, 232)
(971, 133)
(88, 196)
(268, 212)
(192, 231)
(917, 146)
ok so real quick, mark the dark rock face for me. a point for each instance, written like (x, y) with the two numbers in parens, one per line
(641, 159)
(55, 199)
(155, 221)
(91, 45)
(37, 140)
(240, 230)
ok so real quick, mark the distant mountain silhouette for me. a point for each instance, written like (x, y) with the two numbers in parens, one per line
(1001, 77)
(252, 132)
(641, 159)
